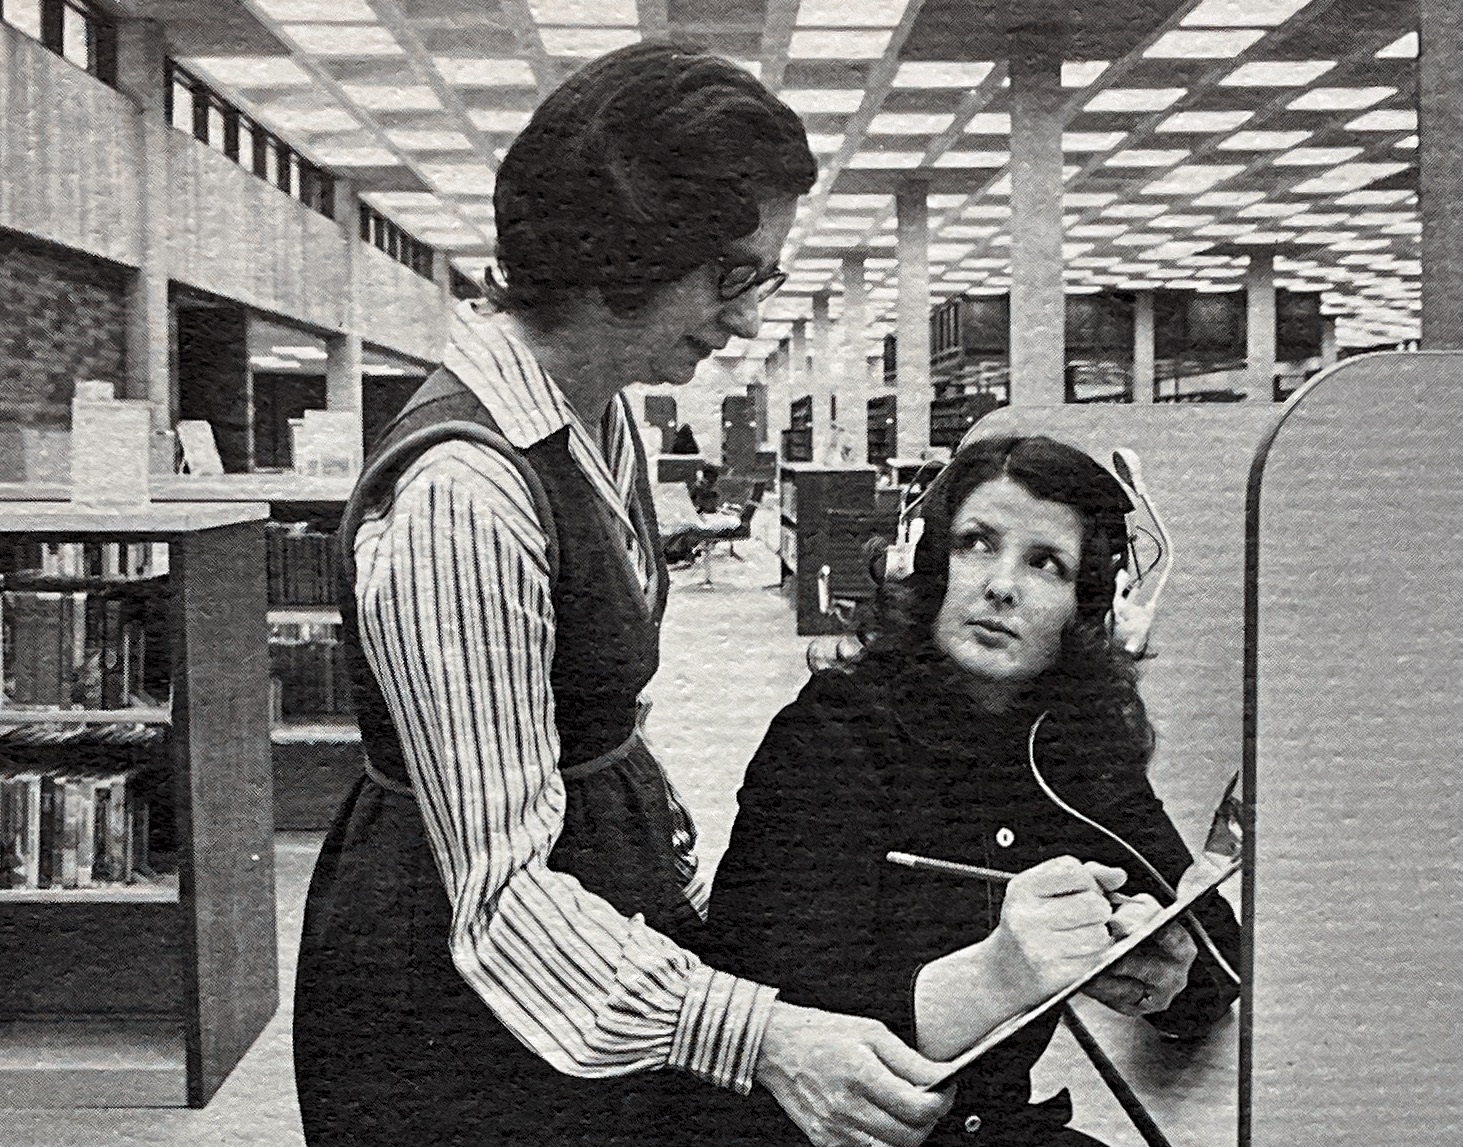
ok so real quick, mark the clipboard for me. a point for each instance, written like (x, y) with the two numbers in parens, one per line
(1110, 957)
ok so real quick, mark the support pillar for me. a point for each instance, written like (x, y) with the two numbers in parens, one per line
(1144, 349)
(1038, 303)
(1330, 352)
(1260, 327)
(853, 397)
(1440, 171)
(820, 376)
(912, 337)
(343, 351)
(141, 57)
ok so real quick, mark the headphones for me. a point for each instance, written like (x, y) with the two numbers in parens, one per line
(1139, 584)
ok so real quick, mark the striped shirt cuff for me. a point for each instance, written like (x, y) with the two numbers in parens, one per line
(720, 1028)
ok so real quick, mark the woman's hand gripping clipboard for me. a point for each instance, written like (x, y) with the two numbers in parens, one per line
(1111, 956)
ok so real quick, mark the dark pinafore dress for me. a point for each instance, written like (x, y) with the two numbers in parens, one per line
(392, 1047)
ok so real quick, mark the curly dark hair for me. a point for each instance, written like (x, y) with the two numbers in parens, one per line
(1096, 716)
(638, 169)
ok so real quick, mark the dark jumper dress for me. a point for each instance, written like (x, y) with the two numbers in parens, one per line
(392, 1047)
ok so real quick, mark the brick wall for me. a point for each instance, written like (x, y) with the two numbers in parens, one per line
(62, 317)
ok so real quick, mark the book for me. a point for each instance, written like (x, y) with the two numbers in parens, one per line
(1111, 956)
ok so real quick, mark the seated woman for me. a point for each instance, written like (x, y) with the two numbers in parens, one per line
(920, 744)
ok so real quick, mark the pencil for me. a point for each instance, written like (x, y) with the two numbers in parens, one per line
(949, 867)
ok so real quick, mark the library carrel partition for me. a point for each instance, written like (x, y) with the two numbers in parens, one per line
(137, 929)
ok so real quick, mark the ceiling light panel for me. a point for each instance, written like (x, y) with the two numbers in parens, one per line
(250, 71)
(482, 73)
(1349, 177)
(1192, 178)
(316, 11)
(498, 119)
(1242, 13)
(1201, 121)
(842, 14)
(991, 159)
(344, 39)
(838, 44)
(308, 119)
(1339, 99)
(1147, 157)
(1081, 73)
(1385, 119)
(989, 123)
(430, 140)
(1263, 140)
(586, 41)
(1277, 73)
(1092, 140)
(1316, 156)
(1402, 48)
(379, 97)
(1208, 44)
(830, 101)
(1134, 99)
(355, 157)
(886, 159)
(941, 74)
(586, 13)
(464, 177)
(823, 143)
(910, 123)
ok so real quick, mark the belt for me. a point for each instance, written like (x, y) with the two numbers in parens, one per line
(568, 772)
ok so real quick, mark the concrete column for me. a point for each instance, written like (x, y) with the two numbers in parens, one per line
(874, 372)
(1440, 171)
(1260, 327)
(343, 352)
(1038, 304)
(798, 373)
(1330, 353)
(1143, 347)
(820, 374)
(853, 398)
(778, 397)
(912, 334)
(141, 53)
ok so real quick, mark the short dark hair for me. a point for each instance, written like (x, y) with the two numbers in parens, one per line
(639, 168)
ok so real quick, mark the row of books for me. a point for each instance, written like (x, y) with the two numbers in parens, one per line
(82, 650)
(309, 681)
(80, 826)
(111, 560)
(302, 565)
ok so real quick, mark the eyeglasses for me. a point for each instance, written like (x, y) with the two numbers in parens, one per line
(739, 278)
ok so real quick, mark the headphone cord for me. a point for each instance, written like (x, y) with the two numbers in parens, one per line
(1200, 934)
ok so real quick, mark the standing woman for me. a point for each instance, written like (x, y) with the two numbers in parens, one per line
(494, 938)
(997, 642)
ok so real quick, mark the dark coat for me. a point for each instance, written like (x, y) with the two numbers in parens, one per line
(865, 762)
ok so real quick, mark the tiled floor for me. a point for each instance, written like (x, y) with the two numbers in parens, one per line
(731, 659)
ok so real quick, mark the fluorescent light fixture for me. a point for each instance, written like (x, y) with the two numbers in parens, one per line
(1263, 140)
(1242, 13)
(838, 43)
(465, 177)
(250, 71)
(1228, 198)
(1147, 157)
(1208, 44)
(479, 73)
(389, 200)
(498, 119)
(1081, 73)
(1338, 99)
(886, 159)
(317, 11)
(1407, 144)
(1134, 99)
(344, 39)
(989, 123)
(1200, 121)
(466, 237)
(910, 123)
(846, 222)
(1193, 178)
(1177, 249)
(941, 74)
(1349, 177)
(943, 201)
(1088, 198)
(1270, 210)
(1139, 239)
(308, 119)
(1316, 156)
(1097, 230)
(1181, 222)
(586, 41)
(430, 140)
(585, 13)
(1134, 210)
(829, 101)
(1402, 48)
(1277, 73)
(1373, 198)
(968, 231)
(1092, 140)
(824, 144)
(1226, 230)
(973, 159)
(846, 202)
(1385, 119)
(987, 211)
(381, 97)
(270, 362)
(308, 353)
(842, 14)
(1001, 188)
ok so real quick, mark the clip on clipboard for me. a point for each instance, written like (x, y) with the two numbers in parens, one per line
(1110, 957)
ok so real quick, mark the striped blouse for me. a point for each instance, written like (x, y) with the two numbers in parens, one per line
(457, 623)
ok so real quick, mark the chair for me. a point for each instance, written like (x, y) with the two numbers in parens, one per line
(731, 534)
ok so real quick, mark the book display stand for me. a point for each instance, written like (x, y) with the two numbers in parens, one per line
(137, 929)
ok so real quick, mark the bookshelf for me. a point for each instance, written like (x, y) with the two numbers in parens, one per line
(140, 958)
(808, 493)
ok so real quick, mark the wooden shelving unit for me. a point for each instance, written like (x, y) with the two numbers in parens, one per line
(808, 492)
(149, 993)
